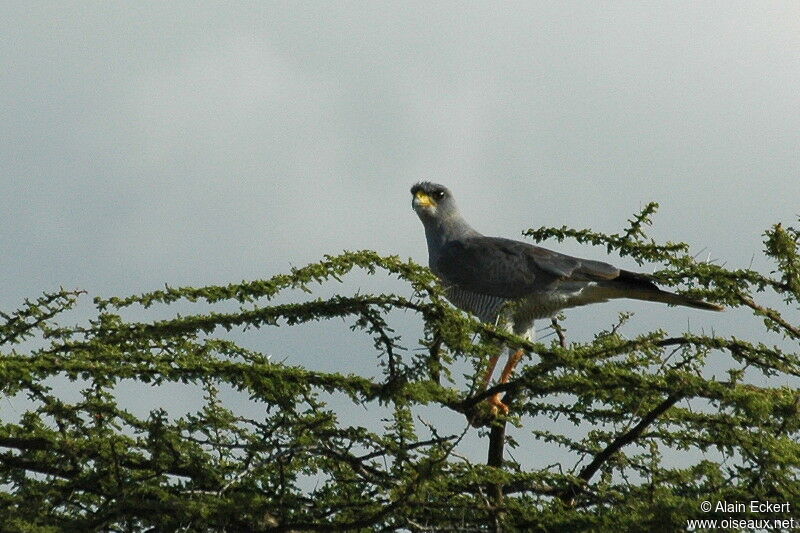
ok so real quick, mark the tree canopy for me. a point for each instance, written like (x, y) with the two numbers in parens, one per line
(87, 461)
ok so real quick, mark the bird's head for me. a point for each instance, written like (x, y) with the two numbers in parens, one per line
(432, 201)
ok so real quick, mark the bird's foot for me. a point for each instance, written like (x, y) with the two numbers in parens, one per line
(481, 416)
(496, 405)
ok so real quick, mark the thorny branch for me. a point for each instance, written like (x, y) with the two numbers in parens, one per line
(323, 452)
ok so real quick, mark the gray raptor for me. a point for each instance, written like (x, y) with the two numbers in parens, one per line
(482, 274)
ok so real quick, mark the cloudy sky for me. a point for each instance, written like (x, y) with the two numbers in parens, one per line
(193, 143)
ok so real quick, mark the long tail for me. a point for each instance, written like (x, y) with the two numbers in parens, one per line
(641, 287)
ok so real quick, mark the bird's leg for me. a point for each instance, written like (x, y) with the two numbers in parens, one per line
(487, 376)
(474, 418)
(513, 361)
(511, 364)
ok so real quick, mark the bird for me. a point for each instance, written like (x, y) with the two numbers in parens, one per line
(483, 275)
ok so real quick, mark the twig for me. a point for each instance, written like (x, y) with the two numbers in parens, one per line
(562, 338)
(622, 440)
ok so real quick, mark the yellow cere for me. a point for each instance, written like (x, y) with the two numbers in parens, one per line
(424, 199)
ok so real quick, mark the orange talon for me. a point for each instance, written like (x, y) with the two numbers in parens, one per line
(497, 406)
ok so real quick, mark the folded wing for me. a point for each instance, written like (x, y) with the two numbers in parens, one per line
(513, 269)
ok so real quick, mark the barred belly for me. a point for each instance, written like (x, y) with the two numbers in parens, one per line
(527, 309)
(483, 306)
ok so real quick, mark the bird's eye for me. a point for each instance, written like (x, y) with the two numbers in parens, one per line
(438, 195)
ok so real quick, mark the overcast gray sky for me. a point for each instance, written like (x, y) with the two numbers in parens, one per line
(190, 143)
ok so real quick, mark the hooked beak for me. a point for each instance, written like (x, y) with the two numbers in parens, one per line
(422, 200)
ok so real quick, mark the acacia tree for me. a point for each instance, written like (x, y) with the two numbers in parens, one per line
(92, 464)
